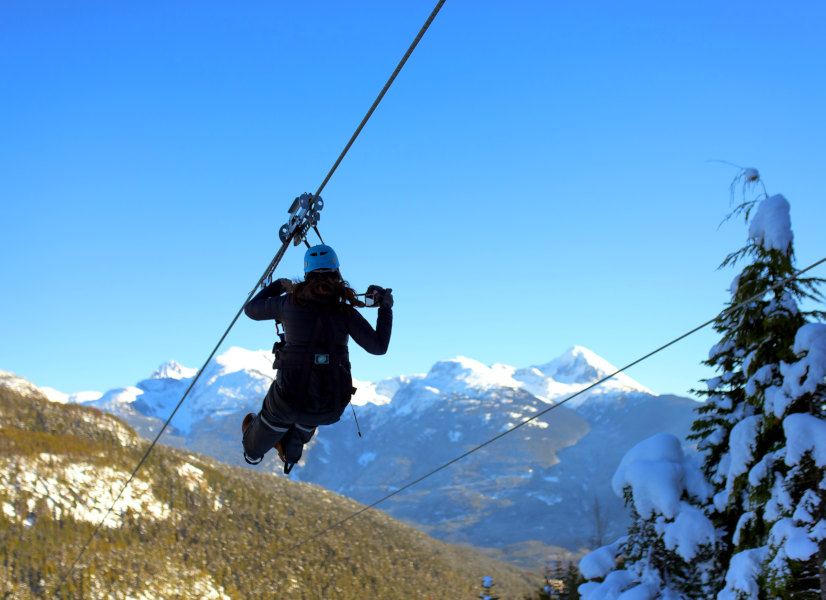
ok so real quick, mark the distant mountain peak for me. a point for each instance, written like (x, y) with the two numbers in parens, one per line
(574, 369)
(173, 370)
(460, 373)
(579, 365)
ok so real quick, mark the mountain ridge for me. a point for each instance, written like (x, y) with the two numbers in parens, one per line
(415, 423)
(188, 526)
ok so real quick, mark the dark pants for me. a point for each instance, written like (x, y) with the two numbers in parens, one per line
(270, 427)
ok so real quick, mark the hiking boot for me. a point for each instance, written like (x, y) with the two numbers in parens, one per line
(244, 426)
(247, 420)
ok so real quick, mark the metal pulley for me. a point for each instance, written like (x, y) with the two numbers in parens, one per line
(304, 214)
(284, 233)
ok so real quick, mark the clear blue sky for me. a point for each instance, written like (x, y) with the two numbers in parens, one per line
(537, 177)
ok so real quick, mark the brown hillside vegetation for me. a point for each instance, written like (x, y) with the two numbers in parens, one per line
(190, 527)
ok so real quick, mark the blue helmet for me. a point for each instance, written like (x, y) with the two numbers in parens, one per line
(320, 257)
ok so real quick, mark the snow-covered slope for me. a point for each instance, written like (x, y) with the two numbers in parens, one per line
(18, 384)
(234, 381)
(188, 527)
(549, 480)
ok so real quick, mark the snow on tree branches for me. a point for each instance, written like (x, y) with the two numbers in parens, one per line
(749, 520)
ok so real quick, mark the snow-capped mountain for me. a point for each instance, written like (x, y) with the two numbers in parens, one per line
(233, 381)
(547, 482)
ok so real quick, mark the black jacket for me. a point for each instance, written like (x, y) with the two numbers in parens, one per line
(299, 321)
(291, 401)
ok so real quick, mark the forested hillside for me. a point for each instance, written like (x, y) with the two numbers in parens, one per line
(189, 527)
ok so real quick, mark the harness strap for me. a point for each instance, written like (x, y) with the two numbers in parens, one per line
(295, 358)
(334, 359)
(309, 357)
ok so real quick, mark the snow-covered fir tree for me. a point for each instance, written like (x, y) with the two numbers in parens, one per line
(669, 552)
(796, 515)
(759, 530)
(739, 430)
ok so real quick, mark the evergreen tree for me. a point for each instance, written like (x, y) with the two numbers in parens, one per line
(671, 547)
(796, 557)
(571, 579)
(739, 432)
(562, 578)
(761, 437)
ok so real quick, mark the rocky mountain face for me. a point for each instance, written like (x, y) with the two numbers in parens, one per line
(543, 488)
(191, 527)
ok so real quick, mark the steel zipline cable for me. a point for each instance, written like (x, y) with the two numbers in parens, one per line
(550, 408)
(383, 91)
(270, 268)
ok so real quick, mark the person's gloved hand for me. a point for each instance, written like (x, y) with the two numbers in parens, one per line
(277, 287)
(380, 296)
(387, 299)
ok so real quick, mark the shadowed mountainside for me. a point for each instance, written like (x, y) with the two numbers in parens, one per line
(190, 527)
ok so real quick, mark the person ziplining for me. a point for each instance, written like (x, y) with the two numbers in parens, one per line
(303, 216)
(313, 385)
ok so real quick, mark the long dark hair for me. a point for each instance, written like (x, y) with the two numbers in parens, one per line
(325, 287)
